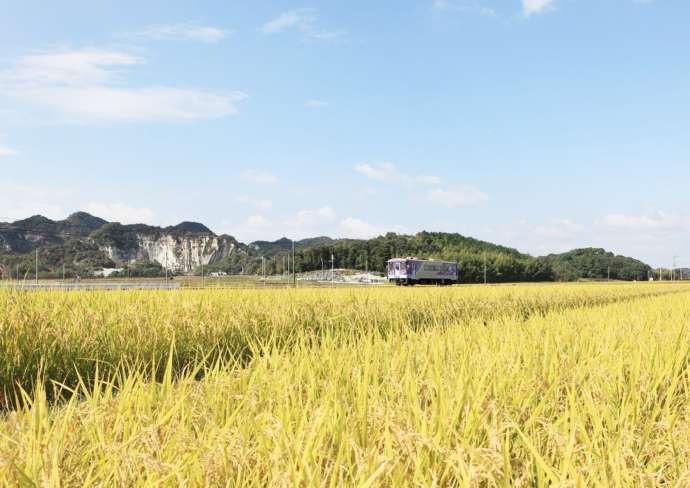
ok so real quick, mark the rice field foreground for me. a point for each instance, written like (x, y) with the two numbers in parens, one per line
(546, 385)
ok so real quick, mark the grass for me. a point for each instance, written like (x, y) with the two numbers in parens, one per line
(578, 385)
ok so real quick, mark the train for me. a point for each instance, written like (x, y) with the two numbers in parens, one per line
(413, 271)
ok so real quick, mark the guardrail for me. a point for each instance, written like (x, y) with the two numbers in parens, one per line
(95, 286)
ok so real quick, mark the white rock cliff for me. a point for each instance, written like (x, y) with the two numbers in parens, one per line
(181, 254)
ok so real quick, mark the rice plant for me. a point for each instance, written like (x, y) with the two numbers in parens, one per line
(544, 385)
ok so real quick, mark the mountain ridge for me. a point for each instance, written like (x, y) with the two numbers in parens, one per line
(83, 242)
(86, 242)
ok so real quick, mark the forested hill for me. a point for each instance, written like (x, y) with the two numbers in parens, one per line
(503, 264)
(592, 263)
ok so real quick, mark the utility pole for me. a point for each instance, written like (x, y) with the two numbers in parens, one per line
(673, 271)
(36, 266)
(263, 270)
(332, 268)
(63, 273)
(203, 278)
(608, 273)
(294, 274)
(18, 278)
(323, 276)
(166, 268)
(485, 280)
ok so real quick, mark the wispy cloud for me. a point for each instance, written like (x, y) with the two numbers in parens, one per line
(359, 229)
(559, 229)
(460, 197)
(386, 171)
(378, 171)
(254, 227)
(86, 85)
(259, 176)
(21, 200)
(181, 32)
(312, 217)
(531, 7)
(303, 20)
(465, 6)
(261, 203)
(121, 212)
(315, 103)
(6, 151)
(428, 179)
(657, 220)
(257, 222)
(356, 228)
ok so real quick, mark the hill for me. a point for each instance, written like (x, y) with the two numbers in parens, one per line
(282, 245)
(503, 264)
(84, 243)
(592, 263)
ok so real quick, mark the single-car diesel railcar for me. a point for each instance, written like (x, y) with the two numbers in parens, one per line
(413, 271)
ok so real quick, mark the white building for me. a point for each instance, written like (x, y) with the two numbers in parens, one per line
(106, 272)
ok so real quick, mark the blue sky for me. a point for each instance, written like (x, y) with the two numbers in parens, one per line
(540, 124)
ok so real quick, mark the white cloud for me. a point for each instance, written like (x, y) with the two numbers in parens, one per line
(106, 104)
(120, 212)
(653, 236)
(559, 229)
(258, 176)
(6, 151)
(257, 222)
(379, 171)
(441, 4)
(360, 229)
(25, 210)
(313, 217)
(314, 103)
(352, 227)
(19, 201)
(287, 20)
(658, 220)
(531, 7)
(264, 204)
(461, 197)
(182, 32)
(303, 20)
(466, 6)
(428, 179)
(86, 86)
(255, 227)
(386, 171)
(84, 67)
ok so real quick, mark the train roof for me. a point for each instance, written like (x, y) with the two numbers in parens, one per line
(396, 260)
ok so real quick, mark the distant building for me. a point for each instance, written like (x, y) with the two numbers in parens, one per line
(217, 274)
(106, 272)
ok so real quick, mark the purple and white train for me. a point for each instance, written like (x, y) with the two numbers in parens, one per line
(413, 271)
